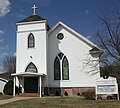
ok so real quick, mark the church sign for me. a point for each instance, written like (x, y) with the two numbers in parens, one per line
(107, 86)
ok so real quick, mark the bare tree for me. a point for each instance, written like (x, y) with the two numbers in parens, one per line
(9, 65)
(109, 38)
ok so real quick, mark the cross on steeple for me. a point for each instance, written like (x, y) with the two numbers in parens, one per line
(34, 9)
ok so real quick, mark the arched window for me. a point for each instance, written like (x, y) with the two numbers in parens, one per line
(57, 75)
(31, 41)
(65, 69)
(61, 67)
(31, 68)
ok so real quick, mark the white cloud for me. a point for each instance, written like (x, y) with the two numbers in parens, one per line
(3, 55)
(2, 48)
(14, 54)
(86, 11)
(1, 69)
(1, 32)
(4, 7)
(1, 40)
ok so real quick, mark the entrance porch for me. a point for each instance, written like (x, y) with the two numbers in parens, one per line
(30, 83)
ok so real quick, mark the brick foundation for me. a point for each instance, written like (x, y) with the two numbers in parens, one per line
(57, 91)
(69, 90)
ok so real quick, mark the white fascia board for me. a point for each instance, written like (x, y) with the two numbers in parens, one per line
(27, 74)
(31, 22)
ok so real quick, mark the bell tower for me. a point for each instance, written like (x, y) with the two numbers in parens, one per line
(31, 46)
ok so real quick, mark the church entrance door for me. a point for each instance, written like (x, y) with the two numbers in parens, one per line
(31, 84)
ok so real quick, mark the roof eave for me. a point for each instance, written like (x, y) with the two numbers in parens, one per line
(97, 52)
(32, 22)
(27, 74)
(74, 32)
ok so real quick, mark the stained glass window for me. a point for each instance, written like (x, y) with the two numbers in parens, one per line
(31, 68)
(57, 75)
(31, 41)
(65, 69)
(61, 67)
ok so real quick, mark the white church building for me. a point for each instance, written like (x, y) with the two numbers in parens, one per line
(55, 60)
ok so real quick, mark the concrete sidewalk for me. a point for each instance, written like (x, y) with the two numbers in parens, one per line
(14, 99)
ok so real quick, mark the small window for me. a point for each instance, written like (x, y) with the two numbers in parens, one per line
(60, 36)
(31, 68)
(31, 41)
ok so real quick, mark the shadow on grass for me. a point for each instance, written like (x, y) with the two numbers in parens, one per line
(2, 96)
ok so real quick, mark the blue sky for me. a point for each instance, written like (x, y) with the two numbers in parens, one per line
(81, 15)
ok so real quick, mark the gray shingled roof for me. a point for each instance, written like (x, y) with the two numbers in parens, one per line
(32, 18)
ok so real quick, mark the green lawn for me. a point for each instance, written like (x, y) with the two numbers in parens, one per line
(63, 102)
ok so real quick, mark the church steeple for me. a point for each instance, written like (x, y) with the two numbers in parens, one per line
(34, 17)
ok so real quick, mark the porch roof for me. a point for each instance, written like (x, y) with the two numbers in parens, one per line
(25, 74)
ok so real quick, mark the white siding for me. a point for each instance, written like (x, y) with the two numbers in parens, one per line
(76, 51)
(38, 53)
(31, 27)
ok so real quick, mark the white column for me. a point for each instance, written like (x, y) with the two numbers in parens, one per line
(40, 86)
(23, 79)
(117, 92)
(42, 90)
(118, 96)
(14, 85)
(96, 91)
(61, 69)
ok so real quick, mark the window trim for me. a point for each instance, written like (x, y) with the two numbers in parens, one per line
(61, 71)
(33, 41)
(59, 36)
(55, 77)
(34, 68)
(63, 77)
